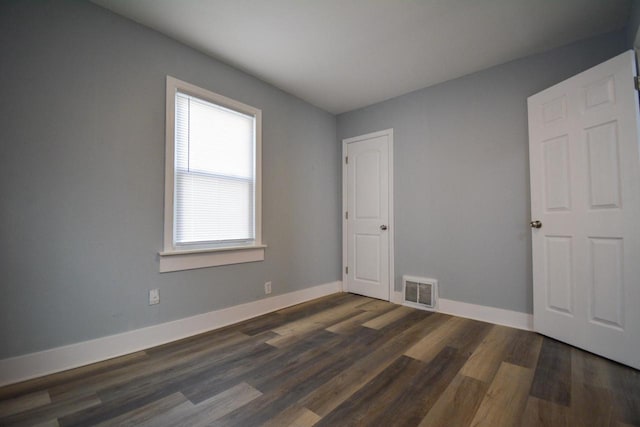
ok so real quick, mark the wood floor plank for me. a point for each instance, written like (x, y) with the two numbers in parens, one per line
(370, 399)
(590, 406)
(458, 403)
(399, 398)
(524, 349)
(52, 411)
(387, 318)
(376, 305)
(144, 413)
(542, 413)
(49, 423)
(284, 341)
(587, 368)
(186, 374)
(592, 402)
(271, 404)
(290, 332)
(169, 417)
(625, 388)
(216, 337)
(207, 412)
(351, 324)
(270, 368)
(158, 365)
(278, 318)
(485, 361)
(284, 391)
(50, 381)
(263, 323)
(506, 398)
(320, 320)
(309, 308)
(190, 367)
(194, 382)
(467, 338)
(331, 394)
(143, 390)
(552, 379)
(24, 403)
(294, 416)
(314, 358)
(413, 401)
(430, 345)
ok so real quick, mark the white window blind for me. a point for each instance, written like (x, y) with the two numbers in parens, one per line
(214, 180)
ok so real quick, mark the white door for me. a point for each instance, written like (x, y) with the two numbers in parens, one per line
(367, 225)
(585, 192)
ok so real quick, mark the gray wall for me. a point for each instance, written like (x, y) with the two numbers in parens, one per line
(82, 163)
(462, 173)
(633, 26)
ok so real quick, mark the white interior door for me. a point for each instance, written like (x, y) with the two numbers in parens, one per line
(585, 192)
(367, 245)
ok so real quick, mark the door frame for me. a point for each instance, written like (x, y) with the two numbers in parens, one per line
(391, 230)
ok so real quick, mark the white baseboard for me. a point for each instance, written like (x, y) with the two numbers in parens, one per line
(499, 316)
(58, 359)
(396, 297)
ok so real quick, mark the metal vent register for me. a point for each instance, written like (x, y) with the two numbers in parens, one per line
(420, 292)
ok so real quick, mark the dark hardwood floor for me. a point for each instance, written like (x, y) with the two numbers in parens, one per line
(339, 361)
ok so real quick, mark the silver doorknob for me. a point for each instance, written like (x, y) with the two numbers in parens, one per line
(383, 227)
(535, 224)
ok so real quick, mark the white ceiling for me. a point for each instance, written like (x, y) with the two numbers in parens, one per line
(345, 54)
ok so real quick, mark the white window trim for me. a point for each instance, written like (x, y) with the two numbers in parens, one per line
(172, 259)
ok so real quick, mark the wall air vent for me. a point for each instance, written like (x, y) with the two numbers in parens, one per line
(420, 292)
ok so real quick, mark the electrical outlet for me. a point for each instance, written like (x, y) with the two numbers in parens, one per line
(267, 288)
(154, 296)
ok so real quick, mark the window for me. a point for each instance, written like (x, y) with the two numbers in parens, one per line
(212, 180)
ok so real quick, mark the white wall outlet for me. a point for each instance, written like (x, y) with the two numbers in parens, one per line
(267, 288)
(154, 296)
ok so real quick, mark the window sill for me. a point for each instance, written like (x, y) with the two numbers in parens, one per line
(201, 258)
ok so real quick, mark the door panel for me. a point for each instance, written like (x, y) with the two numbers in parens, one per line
(559, 279)
(606, 282)
(603, 169)
(367, 258)
(367, 205)
(556, 174)
(585, 189)
(367, 186)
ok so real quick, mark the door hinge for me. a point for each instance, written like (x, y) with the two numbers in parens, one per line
(346, 215)
(346, 270)
(636, 82)
(346, 160)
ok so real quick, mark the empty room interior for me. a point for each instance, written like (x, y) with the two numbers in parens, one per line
(330, 213)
